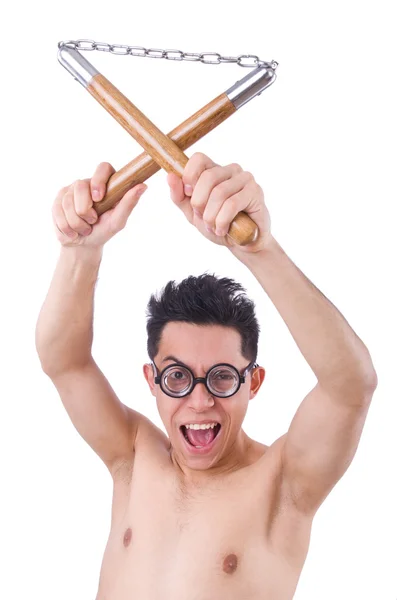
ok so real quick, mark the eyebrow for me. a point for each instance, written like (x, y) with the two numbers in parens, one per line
(175, 359)
(170, 357)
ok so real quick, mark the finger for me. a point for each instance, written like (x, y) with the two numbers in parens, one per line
(231, 207)
(206, 183)
(74, 221)
(176, 188)
(83, 201)
(100, 179)
(61, 223)
(124, 208)
(178, 196)
(220, 194)
(197, 163)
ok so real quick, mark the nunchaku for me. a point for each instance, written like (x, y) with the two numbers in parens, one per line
(164, 151)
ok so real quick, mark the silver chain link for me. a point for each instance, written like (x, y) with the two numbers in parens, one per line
(209, 58)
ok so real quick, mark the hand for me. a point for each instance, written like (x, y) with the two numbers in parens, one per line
(76, 221)
(216, 195)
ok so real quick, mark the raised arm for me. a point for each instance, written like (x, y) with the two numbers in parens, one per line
(64, 330)
(325, 431)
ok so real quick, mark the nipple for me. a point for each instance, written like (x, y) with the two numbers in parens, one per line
(230, 563)
(127, 537)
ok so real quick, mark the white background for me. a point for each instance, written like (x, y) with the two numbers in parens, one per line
(322, 143)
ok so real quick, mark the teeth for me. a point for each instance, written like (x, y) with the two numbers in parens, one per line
(203, 426)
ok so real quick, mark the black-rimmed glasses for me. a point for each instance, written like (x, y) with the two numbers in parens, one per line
(222, 380)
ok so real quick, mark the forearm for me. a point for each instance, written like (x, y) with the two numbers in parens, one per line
(64, 330)
(337, 356)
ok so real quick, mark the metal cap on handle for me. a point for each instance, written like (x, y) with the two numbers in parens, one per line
(250, 86)
(82, 70)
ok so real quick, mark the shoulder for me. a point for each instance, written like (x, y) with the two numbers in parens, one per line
(147, 440)
(149, 434)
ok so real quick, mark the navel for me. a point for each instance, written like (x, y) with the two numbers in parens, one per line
(127, 537)
(230, 563)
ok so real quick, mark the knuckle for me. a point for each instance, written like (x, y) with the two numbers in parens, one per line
(219, 193)
(209, 176)
(67, 200)
(210, 222)
(249, 176)
(103, 172)
(197, 161)
(64, 228)
(105, 165)
(236, 167)
(75, 225)
(81, 212)
(232, 204)
(198, 157)
(198, 206)
(80, 185)
(193, 168)
(68, 231)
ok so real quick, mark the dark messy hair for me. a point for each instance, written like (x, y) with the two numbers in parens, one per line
(204, 300)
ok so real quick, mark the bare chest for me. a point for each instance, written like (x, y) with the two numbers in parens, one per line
(168, 541)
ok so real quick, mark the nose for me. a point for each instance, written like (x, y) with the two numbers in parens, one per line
(200, 398)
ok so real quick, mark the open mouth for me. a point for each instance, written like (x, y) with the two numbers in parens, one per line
(200, 438)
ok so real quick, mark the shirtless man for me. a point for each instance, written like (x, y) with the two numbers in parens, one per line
(198, 517)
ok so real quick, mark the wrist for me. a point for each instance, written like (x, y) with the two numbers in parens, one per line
(249, 257)
(89, 254)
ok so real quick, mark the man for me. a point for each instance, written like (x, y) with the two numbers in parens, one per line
(204, 512)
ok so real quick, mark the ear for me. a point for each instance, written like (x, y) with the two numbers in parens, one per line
(148, 372)
(257, 377)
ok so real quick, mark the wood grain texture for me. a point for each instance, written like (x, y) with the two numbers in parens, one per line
(185, 135)
(163, 149)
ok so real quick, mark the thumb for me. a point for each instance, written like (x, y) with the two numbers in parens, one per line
(126, 205)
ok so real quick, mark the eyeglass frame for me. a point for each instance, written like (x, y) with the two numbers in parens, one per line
(195, 380)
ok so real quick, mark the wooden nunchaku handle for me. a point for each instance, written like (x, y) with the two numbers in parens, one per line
(185, 135)
(167, 151)
(164, 151)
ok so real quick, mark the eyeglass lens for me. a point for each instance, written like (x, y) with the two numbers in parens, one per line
(222, 380)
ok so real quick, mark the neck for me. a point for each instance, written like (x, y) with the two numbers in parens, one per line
(237, 456)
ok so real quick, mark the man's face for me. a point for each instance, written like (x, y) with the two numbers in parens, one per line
(200, 348)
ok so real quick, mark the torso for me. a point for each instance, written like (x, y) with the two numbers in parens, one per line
(238, 536)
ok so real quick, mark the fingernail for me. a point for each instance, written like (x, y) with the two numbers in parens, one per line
(196, 212)
(96, 194)
(209, 229)
(188, 190)
(91, 220)
(140, 191)
(87, 231)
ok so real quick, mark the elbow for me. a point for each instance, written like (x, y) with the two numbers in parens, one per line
(370, 376)
(358, 383)
(364, 383)
(372, 380)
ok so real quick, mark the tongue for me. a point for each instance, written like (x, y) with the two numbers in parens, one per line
(200, 437)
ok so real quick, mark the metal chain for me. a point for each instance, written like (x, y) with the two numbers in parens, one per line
(209, 58)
